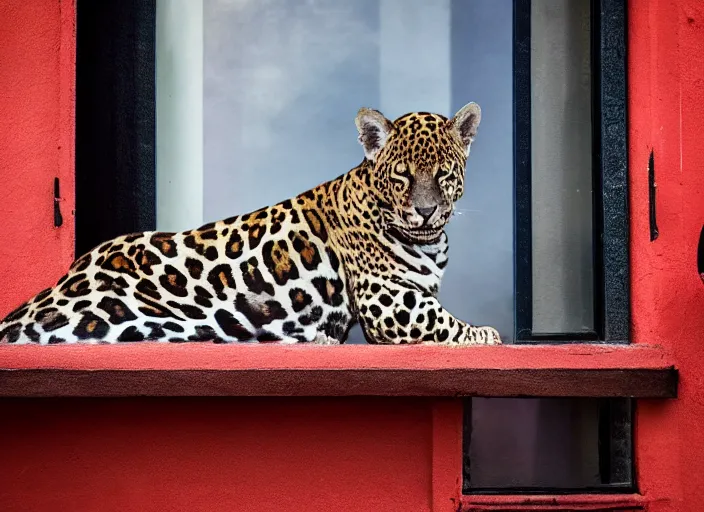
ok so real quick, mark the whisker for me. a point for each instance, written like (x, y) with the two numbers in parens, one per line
(462, 211)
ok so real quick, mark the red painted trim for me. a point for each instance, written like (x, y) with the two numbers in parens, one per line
(447, 455)
(164, 356)
(67, 126)
(574, 502)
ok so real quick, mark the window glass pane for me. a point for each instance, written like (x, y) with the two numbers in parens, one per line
(282, 81)
(563, 288)
(179, 114)
(570, 444)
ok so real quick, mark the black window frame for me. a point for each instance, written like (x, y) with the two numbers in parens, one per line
(609, 179)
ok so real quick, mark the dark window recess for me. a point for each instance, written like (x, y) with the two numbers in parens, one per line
(594, 454)
(115, 130)
(571, 259)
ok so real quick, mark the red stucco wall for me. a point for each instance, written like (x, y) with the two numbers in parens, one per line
(327, 454)
(37, 70)
(666, 80)
(217, 454)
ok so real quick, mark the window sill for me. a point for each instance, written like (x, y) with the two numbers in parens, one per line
(555, 503)
(154, 369)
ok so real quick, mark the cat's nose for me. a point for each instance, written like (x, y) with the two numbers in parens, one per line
(426, 212)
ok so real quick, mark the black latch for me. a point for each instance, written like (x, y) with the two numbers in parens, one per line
(58, 219)
(652, 199)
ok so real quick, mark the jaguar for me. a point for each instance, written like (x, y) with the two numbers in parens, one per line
(368, 247)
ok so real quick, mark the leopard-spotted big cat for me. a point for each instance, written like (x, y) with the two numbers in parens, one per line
(367, 247)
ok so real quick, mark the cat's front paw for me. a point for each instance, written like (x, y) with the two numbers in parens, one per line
(473, 336)
(487, 336)
(481, 336)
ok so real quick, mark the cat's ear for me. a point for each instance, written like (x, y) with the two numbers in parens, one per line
(374, 130)
(465, 123)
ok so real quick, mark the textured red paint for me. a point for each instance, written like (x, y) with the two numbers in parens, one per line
(214, 455)
(160, 356)
(447, 455)
(37, 52)
(263, 370)
(666, 75)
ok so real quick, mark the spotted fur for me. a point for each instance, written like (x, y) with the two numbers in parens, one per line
(367, 247)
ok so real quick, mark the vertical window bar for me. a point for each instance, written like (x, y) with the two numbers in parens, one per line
(523, 288)
(612, 300)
